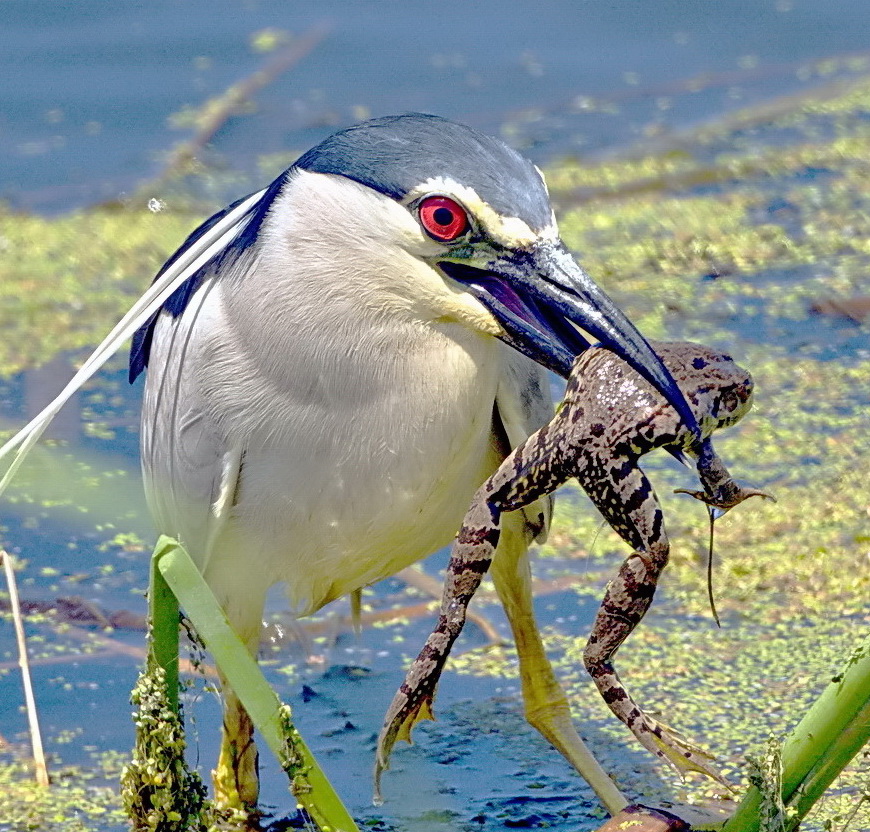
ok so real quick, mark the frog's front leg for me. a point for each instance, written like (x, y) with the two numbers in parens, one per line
(629, 503)
(721, 492)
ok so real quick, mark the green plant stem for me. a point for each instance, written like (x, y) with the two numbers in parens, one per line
(163, 610)
(311, 788)
(839, 753)
(821, 745)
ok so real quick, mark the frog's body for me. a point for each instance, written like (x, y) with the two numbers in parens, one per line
(610, 417)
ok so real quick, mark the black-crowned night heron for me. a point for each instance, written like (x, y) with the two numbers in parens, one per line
(327, 391)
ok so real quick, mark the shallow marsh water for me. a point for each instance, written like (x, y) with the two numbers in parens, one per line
(92, 91)
(726, 235)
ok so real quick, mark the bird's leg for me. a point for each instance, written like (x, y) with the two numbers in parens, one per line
(236, 777)
(629, 504)
(546, 705)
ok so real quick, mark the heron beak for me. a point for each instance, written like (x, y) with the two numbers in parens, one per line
(549, 309)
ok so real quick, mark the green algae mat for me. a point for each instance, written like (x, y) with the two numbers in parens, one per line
(751, 235)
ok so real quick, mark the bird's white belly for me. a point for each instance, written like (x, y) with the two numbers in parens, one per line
(360, 489)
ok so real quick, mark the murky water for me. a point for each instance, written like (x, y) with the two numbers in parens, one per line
(84, 111)
(89, 89)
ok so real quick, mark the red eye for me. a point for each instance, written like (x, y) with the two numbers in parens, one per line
(442, 218)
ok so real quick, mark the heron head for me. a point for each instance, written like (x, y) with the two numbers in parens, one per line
(477, 215)
(441, 222)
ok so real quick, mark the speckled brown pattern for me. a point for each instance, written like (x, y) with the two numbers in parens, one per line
(610, 417)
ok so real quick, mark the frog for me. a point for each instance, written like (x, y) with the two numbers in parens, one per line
(609, 418)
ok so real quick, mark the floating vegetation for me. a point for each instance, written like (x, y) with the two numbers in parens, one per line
(79, 800)
(737, 236)
(160, 792)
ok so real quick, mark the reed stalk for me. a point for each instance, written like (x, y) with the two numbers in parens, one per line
(30, 700)
(310, 786)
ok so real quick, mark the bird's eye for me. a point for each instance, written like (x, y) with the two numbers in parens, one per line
(442, 218)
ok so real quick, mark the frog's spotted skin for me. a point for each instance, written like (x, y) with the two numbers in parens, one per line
(610, 417)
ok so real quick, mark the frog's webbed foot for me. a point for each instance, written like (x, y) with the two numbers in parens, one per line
(660, 739)
(672, 747)
(721, 491)
(409, 706)
(413, 701)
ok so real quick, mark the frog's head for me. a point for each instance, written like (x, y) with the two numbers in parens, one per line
(719, 391)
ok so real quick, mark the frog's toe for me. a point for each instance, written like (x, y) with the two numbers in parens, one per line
(409, 717)
(725, 499)
(677, 751)
(403, 714)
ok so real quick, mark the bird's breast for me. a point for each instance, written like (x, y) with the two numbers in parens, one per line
(361, 457)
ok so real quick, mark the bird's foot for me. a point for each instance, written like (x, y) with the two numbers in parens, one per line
(231, 806)
(405, 711)
(235, 778)
(672, 747)
(236, 820)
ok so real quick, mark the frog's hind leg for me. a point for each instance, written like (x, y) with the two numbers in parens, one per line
(536, 468)
(625, 602)
(630, 505)
(528, 473)
(487, 536)
(470, 558)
